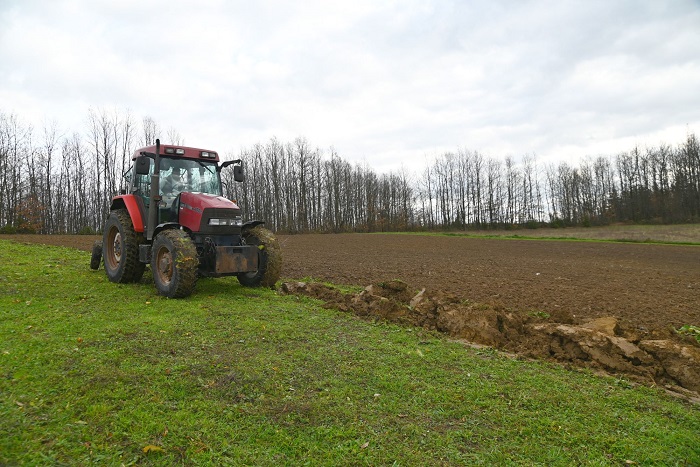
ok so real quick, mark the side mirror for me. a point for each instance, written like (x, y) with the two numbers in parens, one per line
(238, 173)
(142, 165)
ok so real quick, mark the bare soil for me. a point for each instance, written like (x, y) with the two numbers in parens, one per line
(647, 285)
(607, 306)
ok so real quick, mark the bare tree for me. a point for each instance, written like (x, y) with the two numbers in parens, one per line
(150, 131)
(174, 137)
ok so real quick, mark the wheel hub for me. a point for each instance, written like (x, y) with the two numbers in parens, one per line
(117, 247)
(165, 265)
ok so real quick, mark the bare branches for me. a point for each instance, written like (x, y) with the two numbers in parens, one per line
(298, 189)
(63, 184)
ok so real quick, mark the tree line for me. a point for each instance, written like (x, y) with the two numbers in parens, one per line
(299, 189)
(653, 185)
(63, 183)
(295, 189)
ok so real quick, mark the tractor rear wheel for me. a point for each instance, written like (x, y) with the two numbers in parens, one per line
(120, 248)
(174, 263)
(96, 258)
(269, 259)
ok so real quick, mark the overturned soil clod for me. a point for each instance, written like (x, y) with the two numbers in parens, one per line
(656, 358)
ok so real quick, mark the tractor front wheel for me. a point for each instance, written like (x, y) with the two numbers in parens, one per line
(120, 248)
(269, 259)
(174, 263)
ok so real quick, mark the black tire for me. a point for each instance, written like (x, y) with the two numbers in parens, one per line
(96, 258)
(174, 263)
(269, 259)
(120, 248)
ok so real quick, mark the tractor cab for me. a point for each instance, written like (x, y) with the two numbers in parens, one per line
(180, 170)
(175, 177)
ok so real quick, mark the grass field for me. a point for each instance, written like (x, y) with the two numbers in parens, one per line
(94, 372)
(674, 233)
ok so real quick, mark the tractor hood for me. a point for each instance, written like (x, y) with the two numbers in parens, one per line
(205, 213)
(205, 200)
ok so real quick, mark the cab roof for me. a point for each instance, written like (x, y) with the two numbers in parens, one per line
(182, 152)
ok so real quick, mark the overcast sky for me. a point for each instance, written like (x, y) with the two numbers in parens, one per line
(386, 82)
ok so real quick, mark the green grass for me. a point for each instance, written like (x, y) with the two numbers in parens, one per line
(675, 234)
(690, 330)
(97, 373)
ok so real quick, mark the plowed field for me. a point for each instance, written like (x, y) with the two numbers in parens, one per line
(644, 284)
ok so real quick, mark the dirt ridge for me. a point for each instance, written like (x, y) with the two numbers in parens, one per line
(657, 358)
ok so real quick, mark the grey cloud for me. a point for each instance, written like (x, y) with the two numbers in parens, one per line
(374, 79)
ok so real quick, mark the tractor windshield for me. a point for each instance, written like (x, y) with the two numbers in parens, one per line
(178, 175)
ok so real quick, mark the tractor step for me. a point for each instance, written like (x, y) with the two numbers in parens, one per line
(145, 253)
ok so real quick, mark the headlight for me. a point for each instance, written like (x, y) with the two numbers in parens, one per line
(226, 221)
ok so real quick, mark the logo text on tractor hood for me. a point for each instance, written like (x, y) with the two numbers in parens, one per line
(191, 208)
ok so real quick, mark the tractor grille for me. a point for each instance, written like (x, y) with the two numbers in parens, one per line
(206, 227)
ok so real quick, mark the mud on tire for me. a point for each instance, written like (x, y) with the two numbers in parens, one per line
(174, 263)
(269, 259)
(120, 248)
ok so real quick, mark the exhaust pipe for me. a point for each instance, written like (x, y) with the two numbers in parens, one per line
(154, 196)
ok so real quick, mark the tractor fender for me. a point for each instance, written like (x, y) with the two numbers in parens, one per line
(134, 205)
(168, 225)
(250, 225)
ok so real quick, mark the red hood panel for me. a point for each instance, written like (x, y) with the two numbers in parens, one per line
(192, 206)
(205, 200)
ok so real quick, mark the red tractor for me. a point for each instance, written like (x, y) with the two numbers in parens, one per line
(175, 218)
